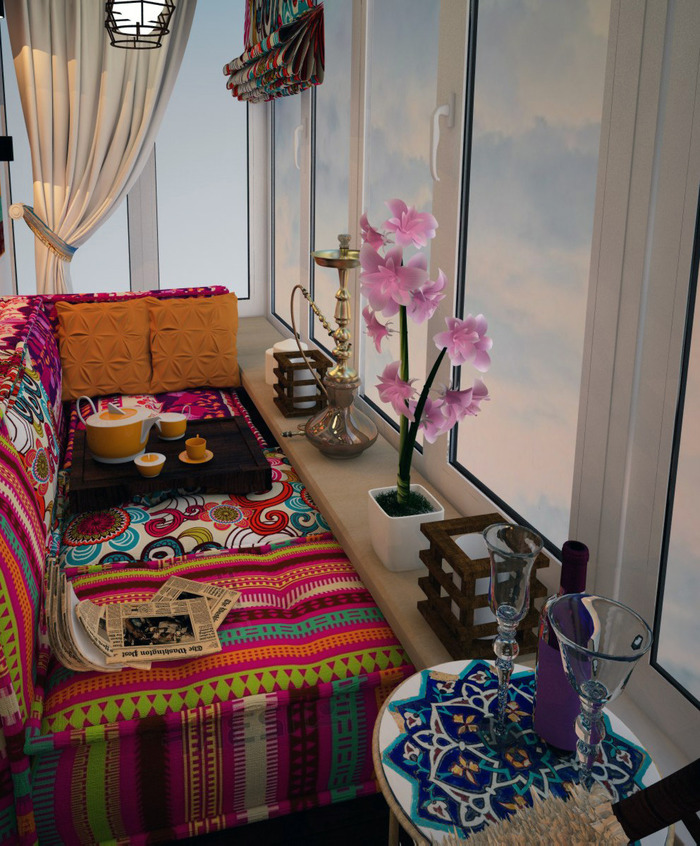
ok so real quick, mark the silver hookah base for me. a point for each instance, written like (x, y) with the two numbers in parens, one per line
(341, 430)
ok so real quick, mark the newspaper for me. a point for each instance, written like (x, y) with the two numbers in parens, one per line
(160, 630)
(220, 599)
(179, 621)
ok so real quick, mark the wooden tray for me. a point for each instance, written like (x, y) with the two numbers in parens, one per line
(238, 467)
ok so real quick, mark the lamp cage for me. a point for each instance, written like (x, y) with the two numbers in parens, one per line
(138, 24)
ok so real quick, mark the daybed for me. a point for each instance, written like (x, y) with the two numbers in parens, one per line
(281, 718)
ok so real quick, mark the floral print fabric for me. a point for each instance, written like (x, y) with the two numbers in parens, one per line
(170, 524)
(28, 423)
(173, 524)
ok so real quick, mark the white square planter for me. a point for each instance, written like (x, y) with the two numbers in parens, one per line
(397, 540)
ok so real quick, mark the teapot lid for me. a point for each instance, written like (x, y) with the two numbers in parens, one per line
(113, 416)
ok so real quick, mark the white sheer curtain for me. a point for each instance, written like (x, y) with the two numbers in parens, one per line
(92, 112)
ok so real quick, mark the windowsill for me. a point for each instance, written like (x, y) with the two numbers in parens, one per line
(339, 489)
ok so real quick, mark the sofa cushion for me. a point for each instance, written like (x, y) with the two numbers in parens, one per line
(304, 618)
(172, 524)
(104, 347)
(193, 343)
(278, 721)
(28, 422)
(22, 538)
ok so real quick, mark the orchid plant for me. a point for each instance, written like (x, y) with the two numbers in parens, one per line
(394, 284)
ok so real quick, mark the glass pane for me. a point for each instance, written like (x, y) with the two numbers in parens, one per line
(89, 270)
(102, 263)
(401, 98)
(332, 160)
(537, 110)
(20, 173)
(679, 632)
(201, 161)
(286, 206)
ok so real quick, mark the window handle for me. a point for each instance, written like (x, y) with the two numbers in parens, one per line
(448, 111)
(297, 145)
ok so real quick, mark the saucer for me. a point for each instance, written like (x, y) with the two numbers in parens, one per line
(176, 438)
(208, 455)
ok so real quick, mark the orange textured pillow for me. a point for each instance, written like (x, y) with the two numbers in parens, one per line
(193, 342)
(104, 348)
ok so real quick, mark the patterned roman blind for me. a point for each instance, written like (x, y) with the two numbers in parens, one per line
(284, 50)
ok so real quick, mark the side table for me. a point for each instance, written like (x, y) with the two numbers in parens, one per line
(439, 774)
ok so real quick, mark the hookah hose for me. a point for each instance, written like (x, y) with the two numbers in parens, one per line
(325, 324)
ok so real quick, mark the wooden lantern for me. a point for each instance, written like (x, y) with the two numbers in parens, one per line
(292, 375)
(454, 595)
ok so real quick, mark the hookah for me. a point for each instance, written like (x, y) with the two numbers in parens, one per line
(340, 430)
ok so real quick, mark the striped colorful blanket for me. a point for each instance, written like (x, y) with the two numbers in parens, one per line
(281, 719)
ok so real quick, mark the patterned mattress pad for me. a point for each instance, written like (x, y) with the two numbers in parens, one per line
(304, 620)
(170, 524)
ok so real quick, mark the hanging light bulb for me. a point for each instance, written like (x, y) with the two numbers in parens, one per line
(138, 24)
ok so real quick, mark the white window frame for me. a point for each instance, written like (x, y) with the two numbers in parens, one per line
(646, 207)
(646, 201)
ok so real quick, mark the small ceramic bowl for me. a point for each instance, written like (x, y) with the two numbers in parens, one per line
(150, 463)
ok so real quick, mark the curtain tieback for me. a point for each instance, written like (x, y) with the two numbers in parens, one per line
(47, 236)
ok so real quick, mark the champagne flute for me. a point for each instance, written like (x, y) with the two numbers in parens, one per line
(601, 642)
(512, 552)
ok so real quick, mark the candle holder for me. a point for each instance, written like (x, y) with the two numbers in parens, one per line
(298, 393)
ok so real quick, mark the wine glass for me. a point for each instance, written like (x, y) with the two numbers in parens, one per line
(601, 641)
(512, 552)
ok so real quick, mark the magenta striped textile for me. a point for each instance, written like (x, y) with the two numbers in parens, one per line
(280, 720)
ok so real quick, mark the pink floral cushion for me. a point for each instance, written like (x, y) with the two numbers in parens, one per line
(172, 525)
(29, 424)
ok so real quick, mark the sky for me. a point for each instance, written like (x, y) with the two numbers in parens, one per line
(537, 109)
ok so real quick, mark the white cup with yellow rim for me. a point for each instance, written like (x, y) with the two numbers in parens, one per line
(172, 425)
(150, 463)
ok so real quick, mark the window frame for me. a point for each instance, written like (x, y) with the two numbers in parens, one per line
(638, 297)
(644, 223)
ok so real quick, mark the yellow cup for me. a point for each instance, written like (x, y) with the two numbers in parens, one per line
(196, 448)
(172, 425)
(150, 463)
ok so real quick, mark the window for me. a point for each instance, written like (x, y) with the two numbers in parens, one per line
(581, 167)
(289, 134)
(401, 99)
(331, 157)
(538, 97)
(678, 624)
(202, 164)
(196, 200)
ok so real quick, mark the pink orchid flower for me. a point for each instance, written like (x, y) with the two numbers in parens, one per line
(425, 300)
(480, 393)
(433, 421)
(466, 340)
(370, 235)
(456, 405)
(386, 281)
(376, 330)
(392, 389)
(410, 226)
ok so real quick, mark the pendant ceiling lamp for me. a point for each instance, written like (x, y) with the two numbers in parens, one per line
(138, 24)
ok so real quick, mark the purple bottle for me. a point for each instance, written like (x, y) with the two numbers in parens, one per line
(556, 702)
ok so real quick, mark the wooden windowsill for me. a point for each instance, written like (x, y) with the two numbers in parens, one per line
(339, 489)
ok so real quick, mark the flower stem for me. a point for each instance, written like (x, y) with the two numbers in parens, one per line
(403, 481)
(408, 441)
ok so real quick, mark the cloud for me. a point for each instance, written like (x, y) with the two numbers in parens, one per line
(561, 73)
